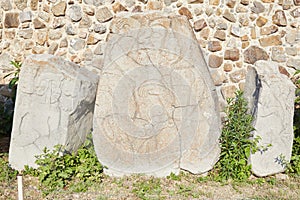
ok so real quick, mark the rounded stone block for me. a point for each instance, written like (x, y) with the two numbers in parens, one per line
(156, 107)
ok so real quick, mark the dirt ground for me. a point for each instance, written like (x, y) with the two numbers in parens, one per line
(185, 186)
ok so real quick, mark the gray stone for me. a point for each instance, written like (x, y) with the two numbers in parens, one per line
(53, 48)
(85, 22)
(293, 63)
(26, 33)
(238, 75)
(278, 54)
(54, 105)
(229, 16)
(99, 50)
(70, 30)
(55, 34)
(258, 7)
(77, 44)
(94, 2)
(75, 13)
(5, 5)
(25, 16)
(270, 95)
(58, 22)
(99, 28)
(153, 115)
(21, 4)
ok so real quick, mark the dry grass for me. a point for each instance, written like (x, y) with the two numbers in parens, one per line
(185, 187)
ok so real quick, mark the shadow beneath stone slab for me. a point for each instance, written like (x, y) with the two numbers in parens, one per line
(4, 144)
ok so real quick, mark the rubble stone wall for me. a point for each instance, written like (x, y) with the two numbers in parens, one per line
(233, 34)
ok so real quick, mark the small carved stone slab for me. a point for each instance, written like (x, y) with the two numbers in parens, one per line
(54, 105)
(156, 107)
(271, 100)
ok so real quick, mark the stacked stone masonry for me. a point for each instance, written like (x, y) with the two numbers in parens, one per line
(232, 33)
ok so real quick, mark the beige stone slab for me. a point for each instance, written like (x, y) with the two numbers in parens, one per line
(156, 107)
(54, 105)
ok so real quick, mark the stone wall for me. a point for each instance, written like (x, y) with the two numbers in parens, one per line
(232, 33)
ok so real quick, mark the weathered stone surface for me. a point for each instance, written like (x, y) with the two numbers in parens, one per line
(85, 22)
(26, 33)
(99, 28)
(229, 16)
(291, 36)
(21, 4)
(261, 21)
(236, 30)
(293, 63)
(147, 115)
(34, 4)
(258, 7)
(270, 41)
(297, 2)
(117, 7)
(268, 30)
(75, 13)
(215, 61)
(218, 76)
(296, 12)
(25, 16)
(103, 14)
(232, 54)
(54, 105)
(271, 101)
(154, 5)
(279, 18)
(254, 53)
(59, 9)
(186, 12)
(5, 5)
(292, 51)
(214, 46)
(228, 91)
(278, 54)
(58, 22)
(221, 35)
(238, 75)
(11, 20)
(77, 44)
(199, 25)
(55, 34)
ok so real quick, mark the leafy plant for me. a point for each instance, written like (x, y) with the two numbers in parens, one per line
(7, 174)
(148, 189)
(6, 116)
(15, 73)
(59, 169)
(236, 142)
(294, 165)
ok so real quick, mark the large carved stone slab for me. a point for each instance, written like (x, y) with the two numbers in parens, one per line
(271, 100)
(54, 105)
(156, 107)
